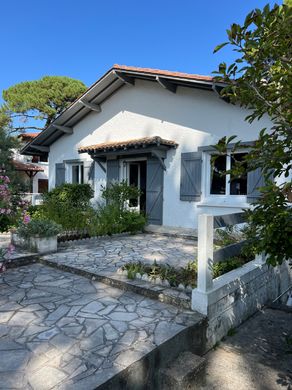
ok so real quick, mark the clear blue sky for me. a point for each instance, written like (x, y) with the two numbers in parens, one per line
(82, 39)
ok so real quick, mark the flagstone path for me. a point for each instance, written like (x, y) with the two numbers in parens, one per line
(110, 253)
(63, 331)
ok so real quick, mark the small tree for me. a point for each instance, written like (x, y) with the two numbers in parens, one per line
(260, 79)
(35, 104)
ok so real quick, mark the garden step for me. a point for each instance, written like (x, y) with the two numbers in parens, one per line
(185, 372)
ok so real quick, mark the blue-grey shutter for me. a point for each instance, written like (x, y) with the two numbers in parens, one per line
(112, 171)
(255, 180)
(154, 191)
(89, 172)
(60, 174)
(191, 176)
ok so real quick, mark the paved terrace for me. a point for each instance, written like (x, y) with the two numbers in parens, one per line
(110, 253)
(63, 331)
(101, 258)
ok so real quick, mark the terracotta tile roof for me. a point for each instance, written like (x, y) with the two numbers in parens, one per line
(163, 72)
(21, 166)
(111, 146)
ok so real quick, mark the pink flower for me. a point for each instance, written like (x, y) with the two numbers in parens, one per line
(26, 219)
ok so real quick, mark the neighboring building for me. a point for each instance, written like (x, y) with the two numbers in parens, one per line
(33, 169)
(155, 129)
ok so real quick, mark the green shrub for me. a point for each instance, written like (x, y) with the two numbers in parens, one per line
(229, 235)
(114, 217)
(68, 205)
(39, 227)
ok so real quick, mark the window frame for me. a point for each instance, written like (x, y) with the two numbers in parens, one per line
(206, 186)
(69, 171)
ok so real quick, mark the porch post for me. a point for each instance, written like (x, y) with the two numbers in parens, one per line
(205, 253)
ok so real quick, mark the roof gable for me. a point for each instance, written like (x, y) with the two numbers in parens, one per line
(101, 90)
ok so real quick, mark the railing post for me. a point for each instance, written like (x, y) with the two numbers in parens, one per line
(205, 252)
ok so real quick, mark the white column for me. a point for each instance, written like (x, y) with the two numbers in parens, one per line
(205, 253)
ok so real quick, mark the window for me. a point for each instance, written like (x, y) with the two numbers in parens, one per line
(226, 184)
(77, 174)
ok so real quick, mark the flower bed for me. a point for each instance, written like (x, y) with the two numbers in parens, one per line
(183, 278)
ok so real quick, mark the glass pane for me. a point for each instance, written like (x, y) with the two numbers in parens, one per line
(75, 174)
(218, 182)
(133, 181)
(238, 185)
(81, 167)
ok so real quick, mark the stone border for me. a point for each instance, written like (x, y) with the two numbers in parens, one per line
(160, 293)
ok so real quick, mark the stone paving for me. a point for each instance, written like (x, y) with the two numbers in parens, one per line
(63, 331)
(108, 254)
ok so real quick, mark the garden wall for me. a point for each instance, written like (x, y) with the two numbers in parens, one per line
(238, 294)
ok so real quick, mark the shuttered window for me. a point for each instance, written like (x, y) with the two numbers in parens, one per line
(191, 176)
(60, 174)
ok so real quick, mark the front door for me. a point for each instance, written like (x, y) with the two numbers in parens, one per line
(136, 176)
(154, 191)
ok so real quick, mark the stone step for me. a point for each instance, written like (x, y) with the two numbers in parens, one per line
(184, 373)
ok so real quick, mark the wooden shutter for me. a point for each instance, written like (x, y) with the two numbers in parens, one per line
(89, 172)
(112, 171)
(154, 191)
(191, 173)
(60, 174)
(255, 180)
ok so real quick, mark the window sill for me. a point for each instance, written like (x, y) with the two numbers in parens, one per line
(225, 204)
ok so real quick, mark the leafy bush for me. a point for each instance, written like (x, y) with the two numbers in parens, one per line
(67, 205)
(114, 216)
(39, 227)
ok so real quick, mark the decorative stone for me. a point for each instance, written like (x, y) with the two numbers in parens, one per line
(138, 275)
(158, 281)
(120, 271)
(166, 283)
(125, 272)
(189, 288)
(145, 277)
(181, 287)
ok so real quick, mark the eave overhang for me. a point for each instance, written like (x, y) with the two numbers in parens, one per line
(100, 91)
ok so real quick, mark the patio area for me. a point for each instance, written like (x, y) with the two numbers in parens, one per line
(110, 253)
(63, 331)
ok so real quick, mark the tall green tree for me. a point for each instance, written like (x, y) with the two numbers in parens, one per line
(260, 79)
(35, 104)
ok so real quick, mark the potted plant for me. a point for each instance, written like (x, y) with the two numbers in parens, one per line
(38, 235)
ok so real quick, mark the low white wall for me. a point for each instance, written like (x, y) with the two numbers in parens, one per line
(237, 295)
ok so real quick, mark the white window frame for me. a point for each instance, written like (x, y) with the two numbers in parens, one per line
(69, 174)
(125, 175)
(217, 199)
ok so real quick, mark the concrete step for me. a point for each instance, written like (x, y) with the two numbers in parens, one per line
(184, 373)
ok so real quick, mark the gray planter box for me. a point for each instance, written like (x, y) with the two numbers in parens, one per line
(41, 245)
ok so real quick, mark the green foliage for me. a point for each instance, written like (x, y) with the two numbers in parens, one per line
(186, 276)
(229, 235)
(228, 265)
(260, 79)
(114, 216)
(68, 205)
(42, 99)
(38, 227)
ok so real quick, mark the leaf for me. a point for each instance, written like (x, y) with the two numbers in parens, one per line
(219, 47)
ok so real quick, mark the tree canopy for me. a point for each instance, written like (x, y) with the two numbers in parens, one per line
(35, 104)
(260, 79)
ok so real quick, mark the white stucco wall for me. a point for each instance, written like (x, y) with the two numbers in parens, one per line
(191, 117)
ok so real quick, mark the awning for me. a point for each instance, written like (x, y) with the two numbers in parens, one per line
(155, 146)
(26, 167)
(128, 145)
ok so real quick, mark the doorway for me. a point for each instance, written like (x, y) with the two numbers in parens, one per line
(137, 176)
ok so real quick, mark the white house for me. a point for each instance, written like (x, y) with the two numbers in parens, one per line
(155, 129)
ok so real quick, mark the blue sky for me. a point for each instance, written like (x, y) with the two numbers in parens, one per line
(82, 39)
